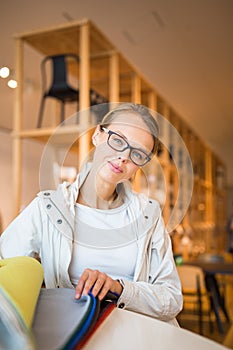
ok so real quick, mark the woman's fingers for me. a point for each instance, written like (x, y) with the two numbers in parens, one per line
(98, 282)
(106, 287)
(81, 284)
(90, 281)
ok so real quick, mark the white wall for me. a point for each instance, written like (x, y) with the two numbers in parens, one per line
(30, 184)
(6, 178)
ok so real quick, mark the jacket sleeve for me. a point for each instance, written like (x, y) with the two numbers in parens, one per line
(159, 293)
(22, 237)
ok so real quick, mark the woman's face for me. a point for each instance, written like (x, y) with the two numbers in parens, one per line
(114, 166)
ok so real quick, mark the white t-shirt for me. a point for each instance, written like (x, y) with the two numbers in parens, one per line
(104, 240)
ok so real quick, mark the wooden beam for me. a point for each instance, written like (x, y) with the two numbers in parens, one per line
(84, 66)
(84, 98)
(152, 100)
(136, 89)
(114, 84)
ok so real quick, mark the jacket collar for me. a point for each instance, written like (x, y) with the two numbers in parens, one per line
(70, 191)
(65, 197)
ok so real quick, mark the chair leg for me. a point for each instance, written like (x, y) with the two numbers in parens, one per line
(216, 303)
(211, 326)
(199, 305)
(39, 123)
(200, 316)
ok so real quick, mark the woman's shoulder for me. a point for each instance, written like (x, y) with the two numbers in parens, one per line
(58, 197)
(142, 198)
(144, 203)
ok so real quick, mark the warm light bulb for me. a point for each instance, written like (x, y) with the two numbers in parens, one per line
(4, 72)
(12, 83)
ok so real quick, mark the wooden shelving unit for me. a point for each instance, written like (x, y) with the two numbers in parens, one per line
(104, 69)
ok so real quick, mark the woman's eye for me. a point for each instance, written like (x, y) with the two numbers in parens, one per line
(138, 155)
(118, 141)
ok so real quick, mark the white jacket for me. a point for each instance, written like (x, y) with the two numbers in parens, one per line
(46, 227)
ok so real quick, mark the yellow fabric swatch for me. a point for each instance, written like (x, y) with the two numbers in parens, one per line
(21, 279)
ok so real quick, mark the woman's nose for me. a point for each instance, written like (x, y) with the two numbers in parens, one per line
(125, 155)
(123, 159)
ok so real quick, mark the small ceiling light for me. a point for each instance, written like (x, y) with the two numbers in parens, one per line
(12, 84)
(4, 72)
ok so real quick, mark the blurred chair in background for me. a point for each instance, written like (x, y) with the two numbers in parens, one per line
(60, 88)
(197, 300)
(221, 280)
(56, 83)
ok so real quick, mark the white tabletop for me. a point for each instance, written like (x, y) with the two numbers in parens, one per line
(127, 330)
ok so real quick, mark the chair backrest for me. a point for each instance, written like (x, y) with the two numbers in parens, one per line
(192, 278)
(59, 69)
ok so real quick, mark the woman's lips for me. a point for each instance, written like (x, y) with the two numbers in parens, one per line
(115, 168)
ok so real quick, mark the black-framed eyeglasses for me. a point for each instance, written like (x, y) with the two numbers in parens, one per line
(119, 143)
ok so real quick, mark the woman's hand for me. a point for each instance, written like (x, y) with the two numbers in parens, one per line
(98, 282)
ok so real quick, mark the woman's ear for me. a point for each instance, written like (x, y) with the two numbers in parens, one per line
(95, 135)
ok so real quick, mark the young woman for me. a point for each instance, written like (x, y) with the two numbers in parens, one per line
(97, 234)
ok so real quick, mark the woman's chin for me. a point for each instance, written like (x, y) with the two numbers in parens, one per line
(110, 176)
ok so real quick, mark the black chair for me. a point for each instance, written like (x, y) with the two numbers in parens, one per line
(219, 279)
(60, 88)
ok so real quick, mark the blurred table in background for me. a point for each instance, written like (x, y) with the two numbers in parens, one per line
(211, 269)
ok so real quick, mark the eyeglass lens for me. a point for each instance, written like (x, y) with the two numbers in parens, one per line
(118, 143)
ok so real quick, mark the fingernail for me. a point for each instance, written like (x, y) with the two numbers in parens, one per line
(77, 295)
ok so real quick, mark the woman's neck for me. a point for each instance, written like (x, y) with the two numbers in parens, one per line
(97, 193)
